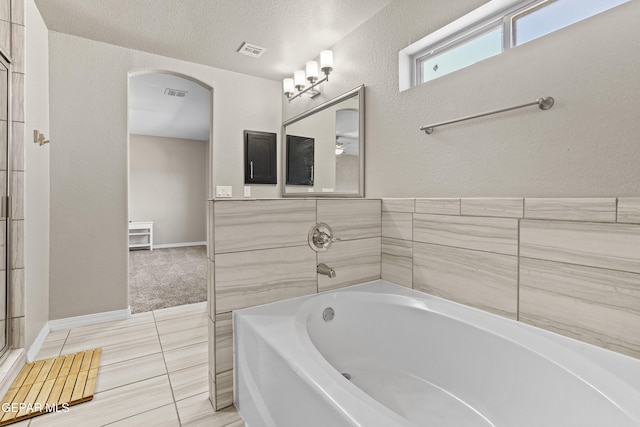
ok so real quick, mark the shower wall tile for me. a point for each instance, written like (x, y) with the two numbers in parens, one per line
(499, 235)
(438, 206)
(398, 205)
(351, 219)
(397, 261)
(5, 36)
(484, 280)
(17, 11)
(5, 11)
(17, 142)
(611, 246)
(17, 97)
(224, 389)
(17, 32)
(245, 279)
(224, 342)
(3, 144)
(596, 209)
(16, 325)
(17, 195)
(398, 225)
(595, 305)
(17, 244)
(355, 261)
(262, 224)
(17, 292)
(629, 209)
(3, 239)
(507, 207)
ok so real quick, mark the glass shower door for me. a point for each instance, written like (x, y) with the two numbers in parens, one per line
(4, 206)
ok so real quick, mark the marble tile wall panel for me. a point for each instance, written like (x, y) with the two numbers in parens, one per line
(211, 289)
(5, 11)
(17, 292)
(398, 225)
(506, 207)
(17, 11)
(355, 261)
(210, 231)
(262, 224)
(398, 205)
(499, 235)
(3, 239)
(397, 261)
(17, 141)
(16, 325)
(611, 246)
(245, 279)
(224, 342)
(224, 389)
(5, 36)
(17, 32)
(595, 305)
(596, 209)
(629, 209)
(438, 206)
(17, 97)
(17, 244)
(211, 345)
(17, 195)
(351, 219)
(3, 144)
(484, 280)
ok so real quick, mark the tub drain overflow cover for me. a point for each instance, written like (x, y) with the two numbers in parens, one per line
(328, 314)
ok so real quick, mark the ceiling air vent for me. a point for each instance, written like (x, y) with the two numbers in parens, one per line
(251, 50)
(175, 92)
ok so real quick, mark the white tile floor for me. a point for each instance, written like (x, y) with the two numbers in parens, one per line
(153, 371)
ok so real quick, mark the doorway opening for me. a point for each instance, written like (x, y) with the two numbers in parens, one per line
(169, 125)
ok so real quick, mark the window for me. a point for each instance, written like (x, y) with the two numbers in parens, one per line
(489, 30)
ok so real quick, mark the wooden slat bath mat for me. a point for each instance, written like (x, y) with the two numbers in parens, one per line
(51, 385)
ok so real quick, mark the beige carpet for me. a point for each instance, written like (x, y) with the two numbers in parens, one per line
(167, 277)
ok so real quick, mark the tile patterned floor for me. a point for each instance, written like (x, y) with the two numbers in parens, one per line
(153, 371)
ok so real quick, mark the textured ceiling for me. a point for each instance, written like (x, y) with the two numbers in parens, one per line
(152, 112)
(211, 31)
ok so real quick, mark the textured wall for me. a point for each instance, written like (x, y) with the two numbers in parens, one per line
(37, 175)
(586, 145)
(167, 185)
(88, 99)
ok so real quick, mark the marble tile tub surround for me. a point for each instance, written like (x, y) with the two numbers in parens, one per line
(258, 253)
(569, 265)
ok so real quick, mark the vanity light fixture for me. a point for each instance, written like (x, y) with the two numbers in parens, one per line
(296, 86)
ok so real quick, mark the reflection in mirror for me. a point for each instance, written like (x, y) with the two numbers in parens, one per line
(324, 153)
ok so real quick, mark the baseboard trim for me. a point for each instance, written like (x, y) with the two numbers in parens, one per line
(37, 343)
(89, 319)
(179, 245)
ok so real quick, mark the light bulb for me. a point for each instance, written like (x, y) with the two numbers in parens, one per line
(298, 79)
(326, 61)
(287, 87)
(312, 71)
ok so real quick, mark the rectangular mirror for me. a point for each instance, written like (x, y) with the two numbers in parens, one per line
(324, 149)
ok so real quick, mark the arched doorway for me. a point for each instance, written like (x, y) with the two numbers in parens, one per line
(169, 174)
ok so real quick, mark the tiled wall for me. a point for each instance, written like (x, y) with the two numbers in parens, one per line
(12, 42)
(258, 253)
(571, 266)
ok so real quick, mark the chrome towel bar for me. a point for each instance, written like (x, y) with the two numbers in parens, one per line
(542, 103)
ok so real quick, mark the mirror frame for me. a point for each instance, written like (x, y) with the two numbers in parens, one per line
(357, 91)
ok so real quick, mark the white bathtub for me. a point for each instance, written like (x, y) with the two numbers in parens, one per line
(418, 360)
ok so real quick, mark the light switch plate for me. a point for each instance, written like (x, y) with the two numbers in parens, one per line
(224, 191)
(247, 191)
